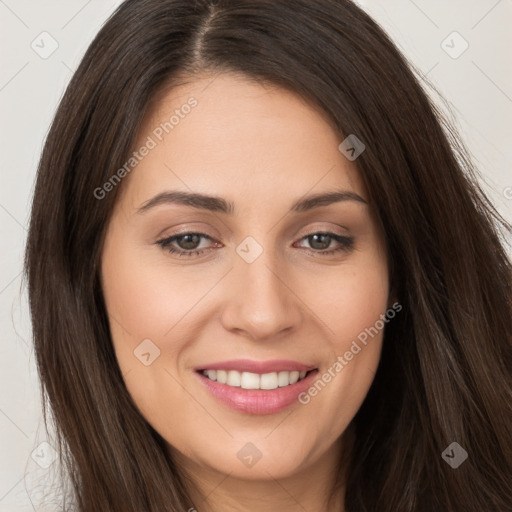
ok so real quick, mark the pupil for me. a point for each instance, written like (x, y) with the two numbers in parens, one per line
(189, 241)
(316, 243)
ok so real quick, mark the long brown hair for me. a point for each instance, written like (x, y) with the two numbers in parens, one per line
(445, 372)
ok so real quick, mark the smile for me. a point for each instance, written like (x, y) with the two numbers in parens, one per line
(249, 380)
(256, 388)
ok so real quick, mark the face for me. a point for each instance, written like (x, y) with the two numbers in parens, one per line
(243, 245)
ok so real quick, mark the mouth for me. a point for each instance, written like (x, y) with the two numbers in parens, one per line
(250, 380)
(256, 393)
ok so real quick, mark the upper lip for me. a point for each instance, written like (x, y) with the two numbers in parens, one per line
(248, 365)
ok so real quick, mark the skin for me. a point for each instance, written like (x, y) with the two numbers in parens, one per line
(262, 148)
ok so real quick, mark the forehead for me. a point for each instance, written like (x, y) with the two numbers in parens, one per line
(229, 134)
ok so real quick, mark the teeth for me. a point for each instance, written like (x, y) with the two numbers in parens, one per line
(222, 376)
(212, 374)
(234, 378)
(269, 381)
(248, 380)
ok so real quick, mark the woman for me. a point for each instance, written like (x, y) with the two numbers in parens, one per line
(262, 274)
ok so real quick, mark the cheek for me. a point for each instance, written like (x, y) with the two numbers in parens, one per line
(349, 298)
(351, 303)
(146, 299)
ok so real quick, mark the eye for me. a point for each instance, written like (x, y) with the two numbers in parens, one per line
(186, 244)
(321, 241)
(190, 244)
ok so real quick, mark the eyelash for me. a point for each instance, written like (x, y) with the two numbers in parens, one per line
(346, 244)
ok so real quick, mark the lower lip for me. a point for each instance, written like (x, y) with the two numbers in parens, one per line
(258, 401)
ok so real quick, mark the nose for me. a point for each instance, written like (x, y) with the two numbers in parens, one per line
(261, 303)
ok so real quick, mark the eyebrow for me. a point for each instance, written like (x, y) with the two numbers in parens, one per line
(218, 204)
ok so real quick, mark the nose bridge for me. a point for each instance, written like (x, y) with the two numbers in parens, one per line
(260, 281)
(261, 304)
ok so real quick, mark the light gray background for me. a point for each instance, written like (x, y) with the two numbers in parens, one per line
(477, 85)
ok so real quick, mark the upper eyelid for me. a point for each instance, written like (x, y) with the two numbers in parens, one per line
(191, 229)
(205, 235)
(172, 238)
